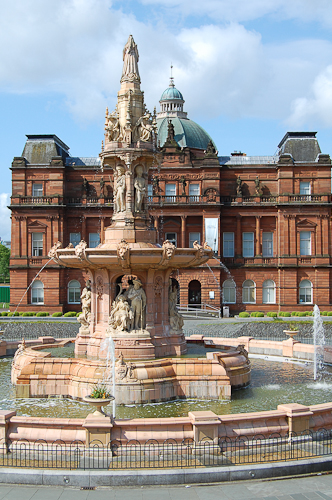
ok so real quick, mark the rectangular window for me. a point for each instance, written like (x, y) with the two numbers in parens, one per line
(305, 188)
(171, 193)
(194, 192)
(37, 244)
(94, 240)
(305, 243)
(228, 244)
(150, 190)
(248, 244)
(172, 237)
(211, 233)
(267, 244)
(194, 237)
(37, 189)
(75, 238)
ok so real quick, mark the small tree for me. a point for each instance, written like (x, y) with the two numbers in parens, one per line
(4, 262)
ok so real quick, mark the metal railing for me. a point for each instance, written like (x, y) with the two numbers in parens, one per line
(196, 309)
(169, 454)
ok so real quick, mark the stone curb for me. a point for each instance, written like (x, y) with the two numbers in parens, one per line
(148, 477)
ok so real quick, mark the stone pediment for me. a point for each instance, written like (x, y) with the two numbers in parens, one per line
(37, 226)
(306, 223)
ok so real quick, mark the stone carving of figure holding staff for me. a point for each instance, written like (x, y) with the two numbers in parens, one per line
(130, 60)
(120, 190)
(136, 295)
(139, 185)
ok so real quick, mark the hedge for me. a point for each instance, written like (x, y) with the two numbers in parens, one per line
(42, 313)
(244, 315)
(70, 314)
(56, 314)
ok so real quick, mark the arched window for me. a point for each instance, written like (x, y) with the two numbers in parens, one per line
(229, 292)
(269, 292)
(305, 292)
(248, 292)
(37, 292)
(74, 292)
(194, 293)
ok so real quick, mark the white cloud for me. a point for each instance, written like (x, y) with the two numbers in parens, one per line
(317, 108)
(4, 217)
(245, 10)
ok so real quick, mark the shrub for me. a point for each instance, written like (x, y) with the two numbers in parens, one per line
(10, 314)
(260, 314)
(57, 314)
(77, 314)
(287, 314)
(272, 314)
(5, 313)
(301, 313)
(32, 313)
(329, 313)
(26, 314)
(244, 315)
(324, 313)
(309, 313)
(42, 313)
(70, 314)
(294, 313)
(20, 313)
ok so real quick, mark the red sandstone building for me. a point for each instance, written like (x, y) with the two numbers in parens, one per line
(267, 218)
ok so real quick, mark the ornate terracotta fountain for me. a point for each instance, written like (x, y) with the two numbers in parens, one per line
(130, 296)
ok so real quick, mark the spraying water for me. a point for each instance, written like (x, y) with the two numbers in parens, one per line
(319, 341)
(109, 374)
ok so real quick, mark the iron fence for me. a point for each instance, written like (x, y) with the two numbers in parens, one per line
(168, 454)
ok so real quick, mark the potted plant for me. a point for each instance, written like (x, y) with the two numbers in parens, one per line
(292, 329)
(99, 397)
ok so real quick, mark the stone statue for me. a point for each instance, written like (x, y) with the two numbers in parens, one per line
(102, 184)
(239, 187)
(80, 249)
(121, 314)
(113, 128)
(139, 185)
(85, 317)
(175, 318)
(168, 249)
(144, 128)
(55, 247)
(184, 183)
(155, 185)
(258, 189)
(136, 295)
(120, 189)
(130, 59)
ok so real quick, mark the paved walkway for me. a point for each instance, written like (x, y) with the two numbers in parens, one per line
(316, 487)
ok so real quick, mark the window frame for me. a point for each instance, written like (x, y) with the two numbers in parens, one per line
(245, 290)
(37, 249)
(172, 240)
(266, 289)
(229, 244)
(34, 293)
(265, 243)
(72, 239)
(94, 246)
(308, 242)
(305, 288)
(40, 191)
(194, 238)
(227, 300)
(251, 241)
(70, 287)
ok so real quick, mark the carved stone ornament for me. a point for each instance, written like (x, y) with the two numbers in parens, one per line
(121, 368)
(70, 245)
(55, 247)
(168, 249)
(211, 194)
(99, 287)
(201, 249)
(85, 317)
(123, 253)
(121, 316)
(80, 249)
(158, 286)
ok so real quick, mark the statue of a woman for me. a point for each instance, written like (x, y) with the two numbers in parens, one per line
(130, 60)
(120, 190)
(139, 185)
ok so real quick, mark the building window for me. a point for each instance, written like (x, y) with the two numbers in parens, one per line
(305, 188)
(37, 292)
(37, 244)
(229, 292)
(37, 189)
(305, 292)
(150, 190)
(305, 243)
(267, 244)
(172, 237)
(171, 193)
(74, 292)
(194, 237)
(249, 292)
(228, 245)
(194, 192)
(269, 292)
(94, 240)
(248, 244)
(75, 238)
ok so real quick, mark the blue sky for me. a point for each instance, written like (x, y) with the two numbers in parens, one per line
(249, 70)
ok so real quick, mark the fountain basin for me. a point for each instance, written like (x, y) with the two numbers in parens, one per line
(37, 374)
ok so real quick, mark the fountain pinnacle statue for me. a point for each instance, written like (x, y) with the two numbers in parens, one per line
(130, 71)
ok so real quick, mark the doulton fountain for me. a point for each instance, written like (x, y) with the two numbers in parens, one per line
(130, 296)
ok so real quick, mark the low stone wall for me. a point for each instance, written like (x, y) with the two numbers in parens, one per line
(19, 329)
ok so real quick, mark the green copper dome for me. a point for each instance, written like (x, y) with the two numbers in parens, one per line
(187, 133)
(171, 93)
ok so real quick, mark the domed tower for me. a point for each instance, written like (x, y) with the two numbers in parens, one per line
(187, 133)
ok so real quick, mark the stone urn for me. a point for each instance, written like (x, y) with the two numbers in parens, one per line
(98, 403)
(291, 333)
